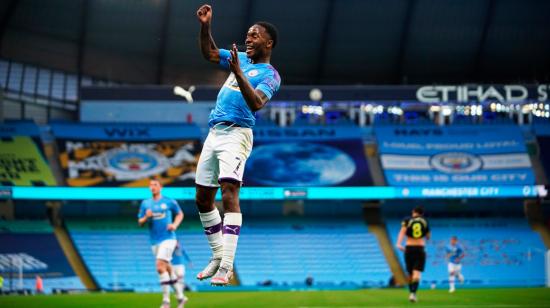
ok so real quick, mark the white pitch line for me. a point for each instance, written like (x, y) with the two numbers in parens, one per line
(440, 306)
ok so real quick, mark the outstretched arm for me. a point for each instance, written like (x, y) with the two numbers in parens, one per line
(255, 99)
(208, 47)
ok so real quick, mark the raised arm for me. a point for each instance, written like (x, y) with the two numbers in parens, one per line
(208, 47)
(255, 99)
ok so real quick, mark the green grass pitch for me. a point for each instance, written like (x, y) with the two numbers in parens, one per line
(499, 298)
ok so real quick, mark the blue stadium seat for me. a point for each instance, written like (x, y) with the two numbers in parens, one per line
(498, 252)
(123, 260)
(333, 253)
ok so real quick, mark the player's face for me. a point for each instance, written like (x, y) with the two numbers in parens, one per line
(453, 241)
(155, 187)
(257, 42)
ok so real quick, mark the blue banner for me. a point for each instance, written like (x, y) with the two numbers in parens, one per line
(457, 155)
(307, 163)
(125, 132)
(19, 129)
(306, 133)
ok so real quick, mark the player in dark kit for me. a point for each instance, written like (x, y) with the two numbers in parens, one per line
(416, 228)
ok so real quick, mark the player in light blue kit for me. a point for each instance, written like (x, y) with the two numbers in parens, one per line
(455, 254)
(179, 259)
(164, 216)
(252, 82)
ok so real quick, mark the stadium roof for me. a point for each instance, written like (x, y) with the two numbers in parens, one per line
(321, 41)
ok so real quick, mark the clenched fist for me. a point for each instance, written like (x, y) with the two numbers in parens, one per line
(204, 14)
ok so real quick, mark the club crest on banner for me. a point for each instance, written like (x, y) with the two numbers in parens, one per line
(456, 162)
(134, 163)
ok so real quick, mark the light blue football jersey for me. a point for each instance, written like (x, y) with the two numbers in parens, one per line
(164, 210)
(455, 253)
(230, 104)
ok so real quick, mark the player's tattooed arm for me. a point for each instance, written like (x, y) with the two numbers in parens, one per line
(208, 47)
(255, 99)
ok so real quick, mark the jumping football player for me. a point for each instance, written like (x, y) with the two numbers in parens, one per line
(251, 83)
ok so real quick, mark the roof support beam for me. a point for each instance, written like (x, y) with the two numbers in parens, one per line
(81, 44)
(478, 58)
(404, 42)
(248, 11)
(323, 46)
(6, 19)
(163, 35)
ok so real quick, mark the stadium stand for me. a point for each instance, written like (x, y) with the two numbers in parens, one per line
(41, 84)
(33, 243)
(333, 253)
(498, 251)
(118, 255)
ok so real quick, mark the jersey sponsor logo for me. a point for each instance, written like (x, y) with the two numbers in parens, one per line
(159, 215)
(231, 83)
(253, 73)
(456, 162)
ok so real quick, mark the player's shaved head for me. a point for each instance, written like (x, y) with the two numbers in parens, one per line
(271, 31)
